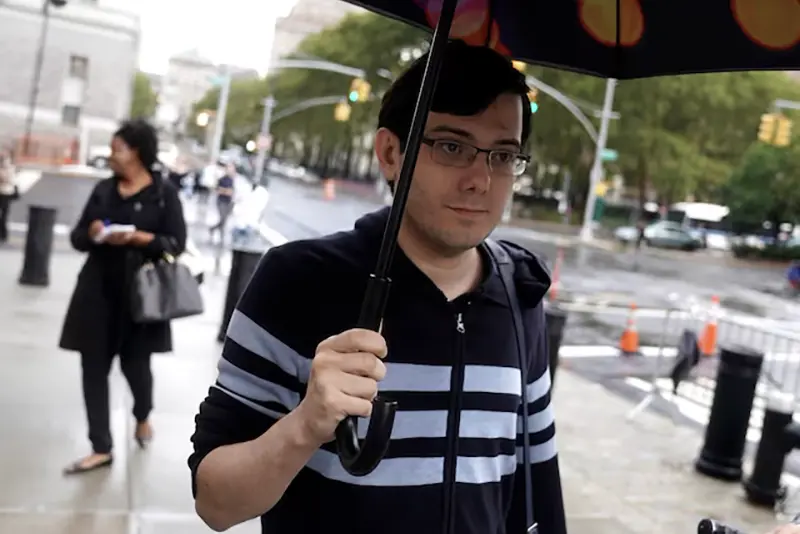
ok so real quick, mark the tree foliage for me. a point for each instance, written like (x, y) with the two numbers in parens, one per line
(144, 99)
(677, 137)
(765, 186)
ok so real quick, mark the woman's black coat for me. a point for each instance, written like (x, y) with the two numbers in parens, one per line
(97, 318)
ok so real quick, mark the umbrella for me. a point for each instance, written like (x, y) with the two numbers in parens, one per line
(620, 39)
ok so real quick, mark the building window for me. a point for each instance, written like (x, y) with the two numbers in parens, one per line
(79, 67)
(70, 115)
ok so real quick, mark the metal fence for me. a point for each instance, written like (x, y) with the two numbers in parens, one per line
(660, 331)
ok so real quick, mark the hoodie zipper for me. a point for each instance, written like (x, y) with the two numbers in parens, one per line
(453, 424)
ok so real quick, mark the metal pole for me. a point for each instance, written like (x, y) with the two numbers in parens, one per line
(565, 195)
(597, 167)
(37, 75)
(222, 109)
(261, 159)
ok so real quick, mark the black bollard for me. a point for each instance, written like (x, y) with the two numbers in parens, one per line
(38, 246)
(556, 321)
(243, 265)
(779, 435)
(726, 433)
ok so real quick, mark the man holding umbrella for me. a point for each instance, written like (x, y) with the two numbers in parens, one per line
(293, 368)
(462, 459)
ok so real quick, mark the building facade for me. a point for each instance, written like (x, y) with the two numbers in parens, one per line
(307, 18)
(90, 57)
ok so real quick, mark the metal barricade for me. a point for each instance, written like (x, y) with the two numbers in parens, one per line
(660, 331)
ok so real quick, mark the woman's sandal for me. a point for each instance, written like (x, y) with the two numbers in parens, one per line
(143, 435)
(81, 467)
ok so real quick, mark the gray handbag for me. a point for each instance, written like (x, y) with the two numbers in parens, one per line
(164, 290)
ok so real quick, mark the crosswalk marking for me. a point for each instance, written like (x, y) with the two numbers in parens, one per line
(610, 351)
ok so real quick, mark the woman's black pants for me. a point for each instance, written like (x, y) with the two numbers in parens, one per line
(5, 207)
(96, 367)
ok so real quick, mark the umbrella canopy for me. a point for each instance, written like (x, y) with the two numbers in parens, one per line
(622, 39)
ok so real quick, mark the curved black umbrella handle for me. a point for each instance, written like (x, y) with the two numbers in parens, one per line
(361, 458)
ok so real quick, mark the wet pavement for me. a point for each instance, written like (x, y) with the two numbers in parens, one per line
(148, 491)
(42, 416)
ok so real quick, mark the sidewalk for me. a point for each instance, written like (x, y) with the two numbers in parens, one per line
(619, 477)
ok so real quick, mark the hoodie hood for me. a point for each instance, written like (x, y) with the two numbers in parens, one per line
(531, 276)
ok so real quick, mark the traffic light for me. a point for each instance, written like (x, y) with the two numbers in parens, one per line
(532, 94)
(766, 132)
(783, 134)
(342, 112)
(360, 90)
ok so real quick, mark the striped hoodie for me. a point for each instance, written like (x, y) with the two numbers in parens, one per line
(454, 464)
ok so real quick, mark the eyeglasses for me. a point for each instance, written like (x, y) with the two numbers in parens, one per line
(459, 154)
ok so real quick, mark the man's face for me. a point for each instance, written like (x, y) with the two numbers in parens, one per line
(455, 201)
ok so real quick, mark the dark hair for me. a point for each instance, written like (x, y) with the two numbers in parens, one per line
(142, 137)
(472, 77)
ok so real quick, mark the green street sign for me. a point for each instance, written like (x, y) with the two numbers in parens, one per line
(609, 154)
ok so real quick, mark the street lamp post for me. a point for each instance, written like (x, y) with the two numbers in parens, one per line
(264, 138)
(597, 166)
(37, 70)
(222, 109)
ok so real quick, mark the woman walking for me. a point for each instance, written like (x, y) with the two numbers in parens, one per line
(99, 321)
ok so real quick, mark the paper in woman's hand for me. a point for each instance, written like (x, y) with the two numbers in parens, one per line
(113, 229)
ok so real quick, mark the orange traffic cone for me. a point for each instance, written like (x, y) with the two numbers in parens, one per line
(708, 339)
(555, 285)
(629, 340)
(329, 189)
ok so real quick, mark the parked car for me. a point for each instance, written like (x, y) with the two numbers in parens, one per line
(98, 156)
(661, 234)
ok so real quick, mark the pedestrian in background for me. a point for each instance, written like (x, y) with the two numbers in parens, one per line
(99, 321)
(226, 190)
(8, 192)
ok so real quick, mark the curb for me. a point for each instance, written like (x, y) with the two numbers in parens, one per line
(70, 171)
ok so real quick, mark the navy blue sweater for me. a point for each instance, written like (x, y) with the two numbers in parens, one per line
(454, 462)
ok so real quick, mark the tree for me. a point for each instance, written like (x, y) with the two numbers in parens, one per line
(144, 100)
(682, 135)
(365, 41)
(765, 187)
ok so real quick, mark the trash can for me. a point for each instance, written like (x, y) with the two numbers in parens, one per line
(38, 246)
(726, 433)
(247, 248)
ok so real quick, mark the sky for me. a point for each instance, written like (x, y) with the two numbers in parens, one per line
(237, 32)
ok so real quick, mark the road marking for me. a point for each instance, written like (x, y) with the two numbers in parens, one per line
(21, 227)
(273, 236)
(25, 179)
(609, 351)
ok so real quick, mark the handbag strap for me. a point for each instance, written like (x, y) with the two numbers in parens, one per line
(505, 267)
